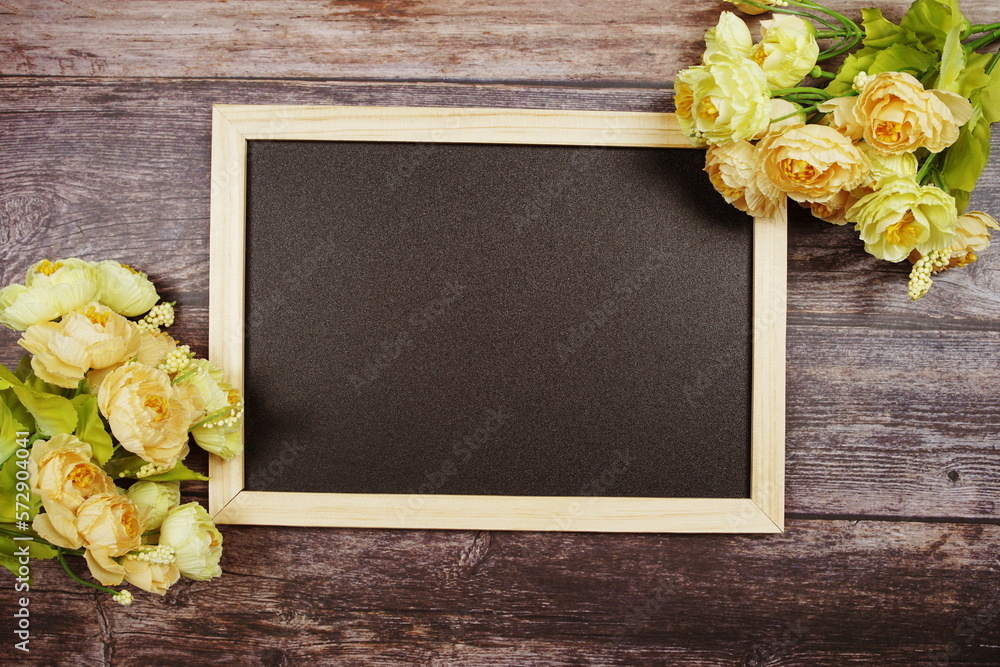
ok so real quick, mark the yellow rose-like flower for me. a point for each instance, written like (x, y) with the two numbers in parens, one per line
(840, 116)
(110, 526)
(154, 578)
(125, 290)
(787, 50)
(902, 216)
(154, 499)
(723, 101)
(62, 473)
(145, 414)
(63, 477)
(813, 162)
(972, 236)
(196, 541)
(899, 116)
(52, 289)
(91, 336)
(834, 210)
(731, 36)
(735, 171)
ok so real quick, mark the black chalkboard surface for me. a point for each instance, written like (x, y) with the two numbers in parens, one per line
(442, 318)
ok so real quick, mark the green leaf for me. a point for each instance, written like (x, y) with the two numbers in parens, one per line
(9, 546)
(53, 414)
(962, 199)
(952, 61)
(932, 20)
(8, 433)
(23, 368)
(854, 64)
(22, 418)
(179, 472)
(12, 565)
(967, 158)
(989, 98)
(881, 33)
(8, 493)
(974, 78)
(90, 427)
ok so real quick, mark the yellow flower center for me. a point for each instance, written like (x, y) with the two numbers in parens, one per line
(126, 266)
(730, 193)
(82, 476)
(157, 404)
(707, 109)
(799, 171)
(47, 268)
(233, 397)
(97, 317)
(905, 232)
(684, 101)
(759, 56)
(888, 131)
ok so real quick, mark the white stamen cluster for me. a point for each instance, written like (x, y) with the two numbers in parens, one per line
(161, 554)
(177, 360)
(151, 469)
(123, 597)
(160, 315)
(920, 275)
(227, 419)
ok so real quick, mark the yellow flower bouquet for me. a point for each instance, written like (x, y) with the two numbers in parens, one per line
(893, 141)
(95, 424)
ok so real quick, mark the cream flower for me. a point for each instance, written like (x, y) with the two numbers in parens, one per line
(787, 50)
(735, 172)
(784, 114)
(155, 499)
(195, 540)
(219, 403)
(751, 9)
(899, 116)
(145, 414)
(91, 336)
(813, 162)
(110, 526)
(125, 290)
(154, 578)
(888, 166)
(153, 349)
(728, 101)
(731, 36)
(51, 291)
(902, 216)
(840, 116)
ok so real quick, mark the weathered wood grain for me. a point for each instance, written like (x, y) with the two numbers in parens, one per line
(824, 593)
(890, 404)
(641, 42)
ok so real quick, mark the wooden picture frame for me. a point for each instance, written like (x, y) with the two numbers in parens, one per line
(230, 502)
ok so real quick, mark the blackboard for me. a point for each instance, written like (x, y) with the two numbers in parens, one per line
(427, 321)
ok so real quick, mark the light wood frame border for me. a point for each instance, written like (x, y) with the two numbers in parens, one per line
(229, 502)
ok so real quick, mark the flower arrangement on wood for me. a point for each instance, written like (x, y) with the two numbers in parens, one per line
(95, 424)
(893, 142)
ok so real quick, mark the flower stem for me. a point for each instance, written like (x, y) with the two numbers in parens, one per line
(986, 40)
(65, 566)
(993, 63)
(983, 27)
(925, 169)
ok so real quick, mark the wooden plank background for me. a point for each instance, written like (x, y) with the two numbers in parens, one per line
(892, 549)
